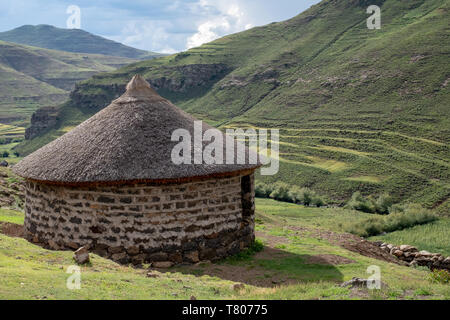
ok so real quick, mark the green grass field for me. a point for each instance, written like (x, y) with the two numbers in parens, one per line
(289, 267)
(433, 237)
(10, 137)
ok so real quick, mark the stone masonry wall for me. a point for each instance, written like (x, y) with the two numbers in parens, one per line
(163, 224)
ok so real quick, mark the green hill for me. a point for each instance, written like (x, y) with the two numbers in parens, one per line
(71, 40)
(358, 109)
(33, 77)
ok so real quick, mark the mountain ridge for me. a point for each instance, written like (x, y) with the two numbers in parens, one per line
(33, 77)
(72, 40)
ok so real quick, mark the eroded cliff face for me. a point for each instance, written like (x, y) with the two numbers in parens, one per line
(178, 79)
(41, 120)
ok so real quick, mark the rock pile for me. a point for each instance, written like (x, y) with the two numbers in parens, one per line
(414, 257)
(361, 283)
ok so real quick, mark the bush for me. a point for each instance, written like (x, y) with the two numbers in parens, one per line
(412, 215)
(283, 192)
(358, 202)
(262, 190)
(439, 276)
(381, 205)
(5, 154)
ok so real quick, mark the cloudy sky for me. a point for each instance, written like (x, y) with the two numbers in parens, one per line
(156, 25)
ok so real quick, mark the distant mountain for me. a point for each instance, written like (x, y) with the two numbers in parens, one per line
(357, 109)
(32, 77)
(72, 40)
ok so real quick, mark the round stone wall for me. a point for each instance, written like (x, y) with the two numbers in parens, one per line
(143, 223)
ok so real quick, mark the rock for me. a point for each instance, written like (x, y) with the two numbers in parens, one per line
(175, 257)
(355, 282)
(132, 251)
(193, 298)
(192, 256)
(398, 253)
(53, 245)
(153, 274)
(114, 250)
(41, 120)
(120, 257)
(413, 263)
(425, 253)
(4, 163)
(81, 256)
(407, 248)
(360, 283)
(73, 245)
(159, 256)
(446, 261)
(162, 264)
(138, 259)
(238, 286)
(390, 246)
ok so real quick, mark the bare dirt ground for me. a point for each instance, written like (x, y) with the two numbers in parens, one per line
(358, 245)
(11, 229)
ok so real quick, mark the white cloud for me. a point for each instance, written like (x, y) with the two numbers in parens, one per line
(229, 18)
(147, 34)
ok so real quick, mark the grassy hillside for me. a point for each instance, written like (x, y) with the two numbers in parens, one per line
(71, 40)
(358, 109)
(32, 77)
(299, 260)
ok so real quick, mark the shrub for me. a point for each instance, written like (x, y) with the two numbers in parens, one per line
(317, 201)
(281, 192)
(5, 154)
(262, 190)
(411, 216)
(358, 202)
(307, 196)
(381, 205)
(439, 276)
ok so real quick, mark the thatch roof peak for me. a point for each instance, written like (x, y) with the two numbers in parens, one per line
(139, 87)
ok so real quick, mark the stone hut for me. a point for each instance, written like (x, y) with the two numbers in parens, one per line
(110, 184)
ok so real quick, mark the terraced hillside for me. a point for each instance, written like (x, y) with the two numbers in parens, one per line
(31, 77)
(358, 109)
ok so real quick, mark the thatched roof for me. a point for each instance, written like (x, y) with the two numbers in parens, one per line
(130, 140)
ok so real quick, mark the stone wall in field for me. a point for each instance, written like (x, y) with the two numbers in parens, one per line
(141, 223)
